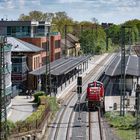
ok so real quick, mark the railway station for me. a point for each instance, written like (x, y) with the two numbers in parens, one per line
(70, 70)
(62, 71)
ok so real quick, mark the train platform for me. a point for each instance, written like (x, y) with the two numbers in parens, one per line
(63, 92)
(21, 108)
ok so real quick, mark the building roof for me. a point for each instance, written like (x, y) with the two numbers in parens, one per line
(68, 43)
(14, 23)
(72, 38)
(23, 23)
(22, 46)
(137, 49)
(61, 66)
(131, 66)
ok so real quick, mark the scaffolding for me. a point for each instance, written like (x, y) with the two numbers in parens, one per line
(3, 113)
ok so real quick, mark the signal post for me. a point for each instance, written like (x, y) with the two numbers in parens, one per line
(79, 92)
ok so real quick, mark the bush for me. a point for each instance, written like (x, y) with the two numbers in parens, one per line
(42, 100)
(37, 94)
(36, 115)
(52, 103)
(11, 125)
(124, 123)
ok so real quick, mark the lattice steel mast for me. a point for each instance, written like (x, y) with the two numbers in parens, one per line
(138, 112)
(122, 96)
(3, 113)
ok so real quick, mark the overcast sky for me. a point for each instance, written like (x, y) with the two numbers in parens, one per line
(116, 11)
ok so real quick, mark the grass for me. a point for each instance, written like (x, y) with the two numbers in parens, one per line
(126, 134)
(124, 126)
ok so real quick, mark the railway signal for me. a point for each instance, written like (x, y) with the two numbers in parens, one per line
(79, 81)
(79, 92)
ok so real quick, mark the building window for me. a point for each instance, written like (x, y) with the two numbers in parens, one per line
(8, 30)
(44, 44)
(57, 43)
(57, 55)
(17, 68)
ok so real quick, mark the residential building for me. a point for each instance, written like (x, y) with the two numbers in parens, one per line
(106, 25)
(71, 44)
(21, 29)
(35, 32)
(43, 42)
(25, 58)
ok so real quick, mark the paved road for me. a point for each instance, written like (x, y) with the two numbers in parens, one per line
(21, 108)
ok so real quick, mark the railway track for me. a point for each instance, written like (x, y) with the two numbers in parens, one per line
(95, 125)
(67, 112)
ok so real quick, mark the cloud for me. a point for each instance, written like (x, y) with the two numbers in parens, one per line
(21, 3)
(77, 9)
(70, 1)
(9, 4)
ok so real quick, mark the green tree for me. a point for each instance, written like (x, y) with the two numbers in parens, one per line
(60, 20)
(93, 41)
(114, 33)
(36, 16)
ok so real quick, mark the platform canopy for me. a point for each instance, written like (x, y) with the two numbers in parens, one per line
(131, 66)
(61, 66)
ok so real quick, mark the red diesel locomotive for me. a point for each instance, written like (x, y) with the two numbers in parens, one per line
(95, 95)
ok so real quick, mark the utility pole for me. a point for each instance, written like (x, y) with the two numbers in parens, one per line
(48, 61)
(49, 85)
(123, 72)
(3, 113)
(66, 47)
(137, 100)
(122, 96)
(138, 112)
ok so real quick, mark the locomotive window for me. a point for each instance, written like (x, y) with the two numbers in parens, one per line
(98, 85)
(91, 85)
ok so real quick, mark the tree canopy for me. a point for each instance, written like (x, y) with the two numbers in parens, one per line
(93, 38)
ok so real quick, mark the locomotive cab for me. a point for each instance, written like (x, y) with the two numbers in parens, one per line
(95, 94)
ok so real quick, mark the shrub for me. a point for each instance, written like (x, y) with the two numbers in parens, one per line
(37, 94)
(42, 100)
(52, 103)
(11, 125)
(124, 123)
